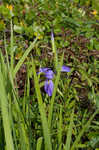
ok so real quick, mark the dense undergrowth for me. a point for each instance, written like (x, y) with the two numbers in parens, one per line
(49, 75)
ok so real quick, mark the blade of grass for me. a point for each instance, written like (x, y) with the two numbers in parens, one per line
(23, 126)
(83, 130)
(46, 132)
(24, 139)
(54, 93)
(5, 114)
(3, 67)
(12, 52)
(60, 129)
(9, 82)
(39, 143)
(54, 50)
(69, 134)
(17, 67)
(12, 123)
(5, 45)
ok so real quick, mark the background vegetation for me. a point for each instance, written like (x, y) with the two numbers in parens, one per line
(29, 118)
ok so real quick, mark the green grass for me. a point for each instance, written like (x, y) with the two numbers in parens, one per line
(68, 119)
(4, 109)
(42, 111)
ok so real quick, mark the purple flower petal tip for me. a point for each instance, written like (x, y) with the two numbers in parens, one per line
(44, 69)
(49, 74)
(48, 87)
(65, 69)
(52, 36)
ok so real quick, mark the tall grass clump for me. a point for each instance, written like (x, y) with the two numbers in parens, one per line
(5, 105)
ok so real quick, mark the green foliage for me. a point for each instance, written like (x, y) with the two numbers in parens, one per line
(29, 119)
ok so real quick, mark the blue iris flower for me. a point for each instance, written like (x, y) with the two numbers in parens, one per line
(48, 87)
(49, 75)
(65, 69)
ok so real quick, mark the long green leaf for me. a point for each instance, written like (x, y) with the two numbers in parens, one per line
(17, 67)
(69, 134)
(60, 129)
(42, 112)
(83, 130)
(12, 51)
(39, 143)
(54, 50)
(54, 93)
(5, 115)
(8, 82)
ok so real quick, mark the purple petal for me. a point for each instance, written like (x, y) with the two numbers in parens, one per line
(49, 74)
(48, 87)
(52, 36)
(44, 69)
(65, 69)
